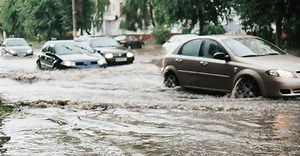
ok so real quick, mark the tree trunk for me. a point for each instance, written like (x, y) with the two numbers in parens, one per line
(151, 14)
(201, 25)
(278, 31)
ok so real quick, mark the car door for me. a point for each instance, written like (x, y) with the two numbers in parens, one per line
(187, 63)
(216, 74)
(47, 57)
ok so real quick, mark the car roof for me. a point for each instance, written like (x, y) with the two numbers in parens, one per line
(61, 41)
(225, 36)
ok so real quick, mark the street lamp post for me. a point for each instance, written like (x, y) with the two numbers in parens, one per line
(74, 18)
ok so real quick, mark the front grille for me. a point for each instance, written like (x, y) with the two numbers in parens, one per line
(285, 91)
(119, 54)
(86, 63)
(296, 91)
(20, 51)
(298, 73)
(94, 62)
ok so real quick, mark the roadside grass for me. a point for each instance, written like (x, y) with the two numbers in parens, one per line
(5, 109)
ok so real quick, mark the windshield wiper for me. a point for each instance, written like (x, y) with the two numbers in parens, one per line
(68, 47)
(270, 54)
(251, 55)
(81, 47)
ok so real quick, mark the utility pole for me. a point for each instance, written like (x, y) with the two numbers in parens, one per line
(74, 19)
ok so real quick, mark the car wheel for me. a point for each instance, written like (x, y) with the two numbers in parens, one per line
(170, 81)
(246, 87)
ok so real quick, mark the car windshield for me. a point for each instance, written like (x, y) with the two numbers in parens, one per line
(104, 42)
(251, 47)
(16, 42)
(66, 48)
(118, 38)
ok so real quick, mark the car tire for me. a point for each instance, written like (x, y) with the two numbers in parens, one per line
(170, 80)
(246, 87)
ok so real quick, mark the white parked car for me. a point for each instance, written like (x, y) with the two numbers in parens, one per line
(171, 44)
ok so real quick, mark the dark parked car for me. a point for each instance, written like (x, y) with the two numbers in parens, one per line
(16, 46)
(245, 66)
(113, 52)
(62, 54)
(130, 42)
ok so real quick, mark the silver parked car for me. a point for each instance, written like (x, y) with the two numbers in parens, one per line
(16, 46)
(245, 66)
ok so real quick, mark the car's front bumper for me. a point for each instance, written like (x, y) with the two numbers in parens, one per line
(119, 60)
(281, 87)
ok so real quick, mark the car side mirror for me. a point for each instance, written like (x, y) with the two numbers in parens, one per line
(221, 56)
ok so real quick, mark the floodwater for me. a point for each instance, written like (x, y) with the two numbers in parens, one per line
(126, 110)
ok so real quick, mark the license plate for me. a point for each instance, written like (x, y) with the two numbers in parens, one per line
(122, 59)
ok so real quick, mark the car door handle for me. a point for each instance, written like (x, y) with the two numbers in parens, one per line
(204, 63)
(178, 60)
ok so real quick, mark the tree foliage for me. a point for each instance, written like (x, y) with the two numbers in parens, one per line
(188, 13)
(1, 8)
(99, 9)
(49, 19)
(137, 14)
(258, 16)
(160, 33)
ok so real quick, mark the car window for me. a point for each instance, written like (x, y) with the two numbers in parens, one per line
(16, 42)
(249, 47)
(45, 47)
(65, 48)
(191, 48)
(210, 47)
(104, 42)
(132, 38)
(51, 49)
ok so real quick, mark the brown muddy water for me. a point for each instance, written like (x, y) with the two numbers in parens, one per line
(126, 110)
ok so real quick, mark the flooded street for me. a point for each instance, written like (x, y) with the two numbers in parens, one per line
(126, 110)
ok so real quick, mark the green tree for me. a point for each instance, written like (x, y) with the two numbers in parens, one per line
(47, 18)
(99, 10)
(187, 13)
(137, 15)
(258, 15)
(210, 29)
(12, 18)
(1, 8)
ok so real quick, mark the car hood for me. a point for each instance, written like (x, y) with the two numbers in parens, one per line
(17, 47)
(110, 50)
(285, 62)
(79, 57)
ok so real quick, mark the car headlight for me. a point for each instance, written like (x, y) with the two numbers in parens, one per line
(280, 73)
(109, 56)
(29, 51)
(101, 61)
(68, 63)
(12, 51)
(129, 54)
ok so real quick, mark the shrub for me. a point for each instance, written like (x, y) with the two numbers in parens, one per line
(210, 29)
(160, 33)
